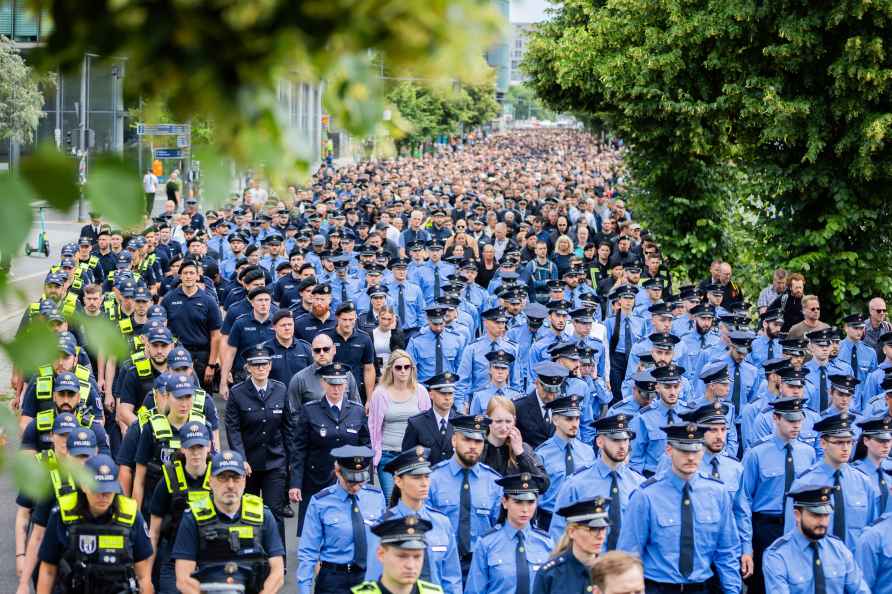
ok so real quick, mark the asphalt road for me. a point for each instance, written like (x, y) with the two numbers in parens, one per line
(27, 279)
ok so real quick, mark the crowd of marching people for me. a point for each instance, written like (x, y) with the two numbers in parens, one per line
(467, 372)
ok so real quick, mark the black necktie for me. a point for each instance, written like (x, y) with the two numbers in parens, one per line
(438, 354)
(628, 336)
(614, 336)
(344, 291)
(702, 341)
(261, 393)
(823, 388)
(335, 411)
(771, 348)
(401, 306)
(442, 426)
(855, 358)
(818, 568)
(715, 469)
(493, 346)
(464, 515)
(686, 542)
(735, 397)
(839, 508)
(670, 417)
(569, 465)
(436, 283)
(523, 570)
(789, 469)
(359, 543)
(468, 293)
(614, 512)
(884, 490)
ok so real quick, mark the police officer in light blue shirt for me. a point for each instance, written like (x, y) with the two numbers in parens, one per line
(807, 559)
(681, 523)
(499, 373)
(465, 489)
(407, 297)
(872, 555)
(855, 496)
(660, 324)
(716, 381)
(852, 350)
(336, 530)
(769, 470)
(344, 286)
(556, 332)
(663, 350)
(650, 442)
(562, 453)
(507, 558)
(792, 386)
(874, 462)
(473, 370)
(608, 476)
(432, 275)
(699, 340)
(767, 345)
(436, 348)
(412, 470)
(644, 392)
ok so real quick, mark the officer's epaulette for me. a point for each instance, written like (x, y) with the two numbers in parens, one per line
(877, 398)
(489, 468)
(782, 540)
(541, 533)
(442, 463)
(315, 402)
(492, 530)
(707, 476)
(372, 488)
(434, 510)
(648, 482)
(581, 470)
(328, 491)
(765, 439)
(552, 562)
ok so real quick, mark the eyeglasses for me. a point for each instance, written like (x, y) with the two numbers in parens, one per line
(814, 309)
(880, 310)
(402, 367)
(318, 350)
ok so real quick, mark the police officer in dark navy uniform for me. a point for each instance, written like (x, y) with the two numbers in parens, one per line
(533, 418)
(433, 428)
(228, 536)
(570, 567)
(260, 425)
(336, 533)
(96, 539)
(325, 424)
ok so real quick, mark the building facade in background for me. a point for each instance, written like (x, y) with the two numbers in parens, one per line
(498, 56)
(520, 34)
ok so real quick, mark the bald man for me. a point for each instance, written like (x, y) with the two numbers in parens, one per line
(305, 386)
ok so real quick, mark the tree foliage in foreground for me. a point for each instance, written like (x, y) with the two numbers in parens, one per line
(764, 121)
(21, 100)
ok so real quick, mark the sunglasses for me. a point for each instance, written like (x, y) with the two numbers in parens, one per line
(402, 367)
(318, 350)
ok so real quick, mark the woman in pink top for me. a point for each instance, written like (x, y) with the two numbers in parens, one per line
(397, 397)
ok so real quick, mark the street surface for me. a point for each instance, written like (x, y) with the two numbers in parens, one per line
(27, 277)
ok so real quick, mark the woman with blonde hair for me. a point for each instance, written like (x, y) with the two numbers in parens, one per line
(563, 252)
(397, 397)
(504, 450)
(579, 547)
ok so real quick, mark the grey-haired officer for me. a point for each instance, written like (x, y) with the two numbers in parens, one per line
(228, 536)
(872, 455)
(569, 570)
(464, 489)
(410, 497)
(855, 496)
(608, 476)
(650, 443)
(261, 425)
(336, 534)
(507, 558)
(769, 469)
(713, 417)
(562, 453)
(323, 425)
(681, 524)
(401, 548)
(807, 558)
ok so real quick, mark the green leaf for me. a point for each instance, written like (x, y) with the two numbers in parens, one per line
(30, 476)
(36, 346)
(104, 335)
(15, 212)
(113, 189)
(53, 176)
(215, 186)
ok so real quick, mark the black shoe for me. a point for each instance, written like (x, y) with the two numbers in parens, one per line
(287, 512)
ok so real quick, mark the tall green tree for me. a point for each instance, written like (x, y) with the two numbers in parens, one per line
(762, 122)
(21, 100)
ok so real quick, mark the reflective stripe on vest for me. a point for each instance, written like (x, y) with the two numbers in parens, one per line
(43, 388)
(126, 326)
(142, 364)
(69, 305)
(44, 420)
(198, 399)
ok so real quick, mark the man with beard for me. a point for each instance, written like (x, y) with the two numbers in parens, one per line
(38, 434)
(713, 417)
(790, 301)
(320, 318)
(705, 542)
(803, 560)
(562, 453)
(556, 332)
(698, 341)
(855, 497)
(769, 469)
(138, 379)
(465, 489)
(609, 475)
(767, 344)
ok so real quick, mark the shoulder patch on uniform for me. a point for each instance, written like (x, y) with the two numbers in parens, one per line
(328, 491)
(492, 530)
(372, 488)
(488, 468)
(541, 532)
(440, 464)
(552, 563)
(648, 482)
